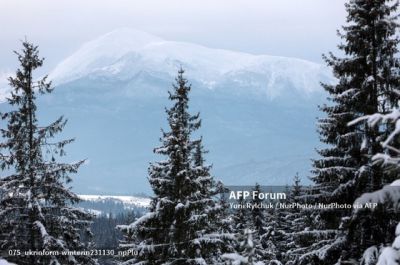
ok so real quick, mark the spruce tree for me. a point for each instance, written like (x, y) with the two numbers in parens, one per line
(367, 80)
(386, 213)
(36, 206)
(180, 227)
(218, 230)
(258, 214)
(293, 221)
(225, 223)
(246, 250)
(277, 231)
(301, 227)
(240, 216)
(263, 229)
(296, 192)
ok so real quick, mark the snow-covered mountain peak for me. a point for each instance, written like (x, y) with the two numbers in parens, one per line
(124, 54)
(102, 51)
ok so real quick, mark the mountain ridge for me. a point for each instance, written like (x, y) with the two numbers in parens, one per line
(124, 53)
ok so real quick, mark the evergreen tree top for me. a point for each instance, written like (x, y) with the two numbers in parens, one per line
(29, 61)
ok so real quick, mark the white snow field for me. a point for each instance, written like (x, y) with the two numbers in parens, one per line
(5, 262)
(126, 200)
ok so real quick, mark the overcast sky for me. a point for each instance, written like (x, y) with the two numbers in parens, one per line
(294, 28)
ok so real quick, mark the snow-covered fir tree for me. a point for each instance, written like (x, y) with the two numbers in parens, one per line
(390, 255)
(240, 217)
(180, 227)
(387, 213)
(277, 231)
(226, 223)
(220, 225)
(36, 206)
(263, 230)
(297, 190)
(246, 250)
(367, 80)
(258, 217)
(296, 222)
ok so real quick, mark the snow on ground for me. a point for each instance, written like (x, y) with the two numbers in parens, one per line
(126, 200)
(94, 212)
(4, 262)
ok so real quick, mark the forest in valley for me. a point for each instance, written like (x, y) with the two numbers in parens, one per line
(189, 219)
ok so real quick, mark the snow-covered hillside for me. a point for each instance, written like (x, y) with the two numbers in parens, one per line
(125, 53)
(4, 262)
(126, 200)
(106, 204)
